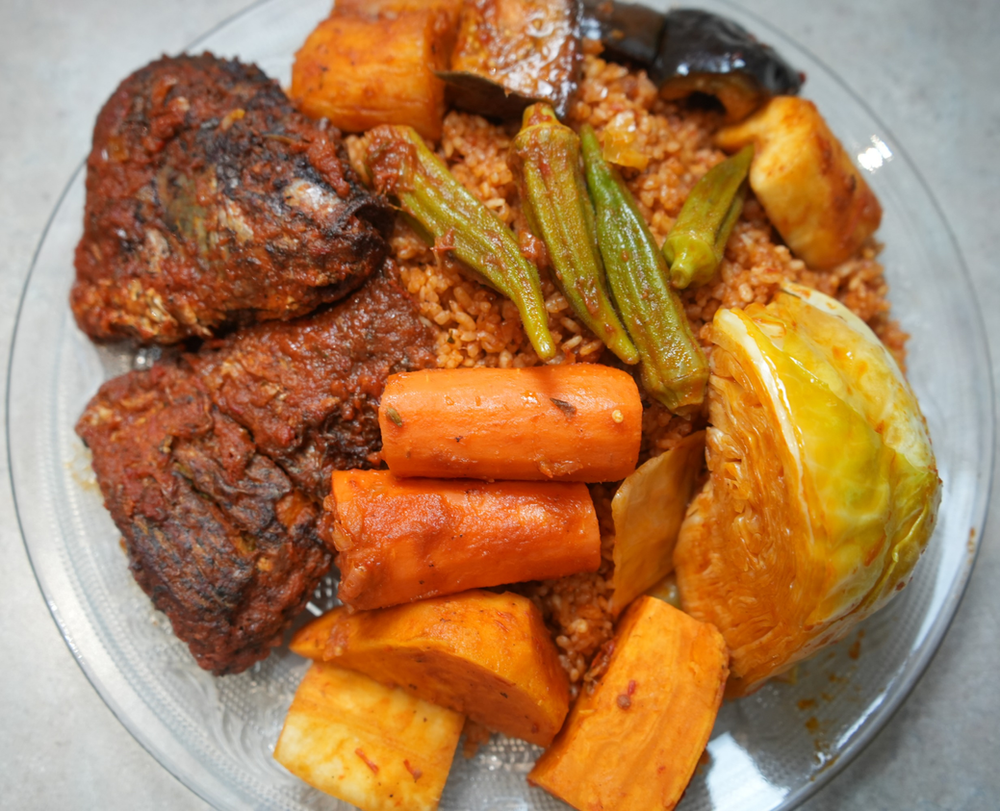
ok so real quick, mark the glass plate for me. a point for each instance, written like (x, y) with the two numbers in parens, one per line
(768, 751)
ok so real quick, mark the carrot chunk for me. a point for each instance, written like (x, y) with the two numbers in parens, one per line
(487, 656)
(635, 741)
(581, 422)
(401, 540)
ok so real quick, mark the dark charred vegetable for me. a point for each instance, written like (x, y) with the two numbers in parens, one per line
(511, 53)
(674, 369)
(545, 159)
(688, 51)
(696, 244)
(705, 53)
(630, 32)
(402, 166)
(478, 94)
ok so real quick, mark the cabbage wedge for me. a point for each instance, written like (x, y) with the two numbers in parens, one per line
(822, 491)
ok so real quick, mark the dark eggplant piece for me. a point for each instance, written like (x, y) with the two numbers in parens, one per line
(705, 53)
(512, 53)
(477, 94)
(688, 51)
(629, 32)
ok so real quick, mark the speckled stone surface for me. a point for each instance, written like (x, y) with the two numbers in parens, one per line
(927, 67)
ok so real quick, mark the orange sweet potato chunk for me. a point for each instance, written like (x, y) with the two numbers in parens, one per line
(310, 640)
(485, 655)
(360, 71)
(633, 744)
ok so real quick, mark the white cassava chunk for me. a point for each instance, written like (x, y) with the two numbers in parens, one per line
(375, 747)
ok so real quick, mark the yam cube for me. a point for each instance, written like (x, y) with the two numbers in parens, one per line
(633, 743)
(376, 8)
(375, 747)
(360, 72)
(488, 656)
(449, 12)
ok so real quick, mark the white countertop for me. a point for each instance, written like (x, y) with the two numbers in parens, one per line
(929, 69)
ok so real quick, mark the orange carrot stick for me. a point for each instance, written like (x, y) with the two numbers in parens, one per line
(401, 540)
(580, 422)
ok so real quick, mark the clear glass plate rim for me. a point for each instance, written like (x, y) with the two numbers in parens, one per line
(917, 666)
(987, 459)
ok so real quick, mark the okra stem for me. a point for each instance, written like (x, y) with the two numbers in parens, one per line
(696, 244)
(402, 165)
(674, 369)
(545, 158)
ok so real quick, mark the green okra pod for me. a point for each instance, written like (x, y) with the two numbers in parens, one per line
(696, 244)
(401, 165)
(674, 369)
(545, 158)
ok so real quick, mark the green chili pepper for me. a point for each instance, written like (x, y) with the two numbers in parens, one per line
(545, 159)
(697, 242)
(401, 165)
(674, 369)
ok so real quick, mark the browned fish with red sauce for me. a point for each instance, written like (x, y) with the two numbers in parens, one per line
(213, 464)
(308, 390)
(212, 202)
(215, 532)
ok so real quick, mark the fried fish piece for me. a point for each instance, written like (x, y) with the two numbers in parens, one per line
(215, 532)
(212, 202)
(308, 390)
